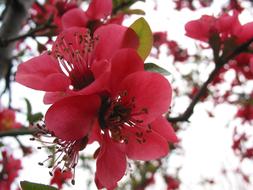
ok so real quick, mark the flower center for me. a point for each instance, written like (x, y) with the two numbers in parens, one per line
(75, 58)
(119, 113)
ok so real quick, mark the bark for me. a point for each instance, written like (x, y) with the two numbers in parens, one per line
(14, 17)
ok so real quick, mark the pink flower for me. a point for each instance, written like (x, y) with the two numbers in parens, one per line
(159, 39)
(8, 120)
(60, 177)
(52, 8)
(227, 33)
(234, 5)
(130, 123)
(126, 122)
(172, 183)
(178, 53)
(9, 170)
(91, 18)
(201, 29)
(78, 62)
(245, 112)
(204, 28)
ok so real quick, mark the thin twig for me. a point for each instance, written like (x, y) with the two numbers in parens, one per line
(18, 132)
(219, 64)
(30, 33)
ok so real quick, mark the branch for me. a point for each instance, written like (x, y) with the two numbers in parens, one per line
(18, 132)
(30, 33)
(15, 14)
(219, 64)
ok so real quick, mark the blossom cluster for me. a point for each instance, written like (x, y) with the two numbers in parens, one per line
(9, 170)
(179, 54)
(95, 81)
(224, 34)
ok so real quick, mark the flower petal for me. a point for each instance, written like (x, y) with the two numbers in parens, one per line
(74, 17)
(71, 118)
(151, 93)
(124, 62)
(52, 97)
(143, 144)
(99, 9)
(164, 128)
(111, 164)
(98, 86)
(42, 73)
(113, 37)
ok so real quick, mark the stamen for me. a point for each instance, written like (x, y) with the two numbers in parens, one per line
(119, 113)
(66, 153)
(77, 59)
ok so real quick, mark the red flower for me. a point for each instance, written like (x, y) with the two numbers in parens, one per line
(52, 8)
(129, 123)
(246, 112)
(159, 39)
(172, 183)
(78, 62)
(204, 28)
(8, 120)
(234, 5)
(10, 167)
(178, 53)
(230, 34)
(201, 29)
(60, 177)
(91, 18)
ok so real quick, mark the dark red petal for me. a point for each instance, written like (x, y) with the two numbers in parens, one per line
(113, 37)
(74, 17)
(95, 134)
(72, 118)
(100, 67)
(151, 91)
(202, 28)
(52, 97)
(99, 9)
(144, 145)
(111, 164)
(124, 62)
(245, 32)
(97, 86)
(164, 128)
(42, 73)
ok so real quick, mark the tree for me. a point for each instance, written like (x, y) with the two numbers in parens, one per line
(108, 89)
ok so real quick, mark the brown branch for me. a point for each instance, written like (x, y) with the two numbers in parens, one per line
(18, 132)
(219, 64)
(14, 16)
(30, 33)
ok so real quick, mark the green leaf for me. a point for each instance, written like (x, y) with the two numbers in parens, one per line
(35, 117)
(145, 35)
(134, 12)
(29, 107)
(25, 185)
(155, 68)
